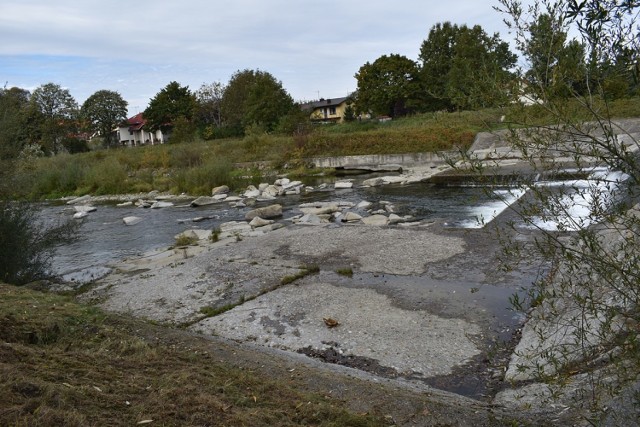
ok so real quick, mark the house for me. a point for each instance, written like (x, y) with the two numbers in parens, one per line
(133, 132)
(327, 110)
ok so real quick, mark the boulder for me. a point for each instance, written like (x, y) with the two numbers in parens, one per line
(394, 179)
(343, 184)
(267, 212)
(395, 219)
(131, 220)
(221, 196)
(223, 189)
(235, 227)
(272, 191)
(292, 184)
(195, 233)
(78, 200)
(259, 222)
(203, 201)
(376, 220)
(159, 205)
(328, 209)
(282, 181)
(233, 199)
(84, 208)
(364, 205)
(373, 182)
(262, 186)
(351, 217)
(79, 215)
(252, 192)
(124, 204)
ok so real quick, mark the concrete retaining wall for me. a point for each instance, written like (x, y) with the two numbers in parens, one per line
(408, 159)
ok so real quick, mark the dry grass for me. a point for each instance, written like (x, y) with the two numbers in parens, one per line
(66, 364)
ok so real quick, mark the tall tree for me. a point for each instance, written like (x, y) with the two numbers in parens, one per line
(14, 123)
(465, 68)
(436, 55)
(103, 111)
(59, 111)
(209, 99)
(389, 86)
(173, 102)
(254, 97)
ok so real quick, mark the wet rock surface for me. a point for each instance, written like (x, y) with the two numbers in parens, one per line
(420, 304)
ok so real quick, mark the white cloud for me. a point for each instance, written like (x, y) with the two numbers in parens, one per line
(137, 48)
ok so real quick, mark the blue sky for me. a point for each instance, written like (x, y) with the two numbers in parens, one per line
(137, 48)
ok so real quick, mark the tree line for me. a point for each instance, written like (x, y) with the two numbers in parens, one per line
(464, 68)
(49, 119)
(458, 68)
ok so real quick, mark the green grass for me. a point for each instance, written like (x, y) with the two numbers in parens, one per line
(196, 167)
(347, 272)
(67, 364)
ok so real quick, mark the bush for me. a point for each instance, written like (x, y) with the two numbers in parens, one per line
(26, 247)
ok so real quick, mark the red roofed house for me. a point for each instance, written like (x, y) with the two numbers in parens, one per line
(132, 133)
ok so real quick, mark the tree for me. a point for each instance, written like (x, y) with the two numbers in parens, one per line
(254, 97)
(173, 102)
(465, 68)
(14, 123)
(59, 111)
(580, 343)
(389, 86)
(103, 111)
(209, 99)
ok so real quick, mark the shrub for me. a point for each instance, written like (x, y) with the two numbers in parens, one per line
(184, 240)
(26, 246)
(348, 272)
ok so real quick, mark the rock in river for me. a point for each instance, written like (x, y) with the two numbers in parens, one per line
(131, 220)
(204, 201)
(272, 211)
(377, 220)
(223, 189)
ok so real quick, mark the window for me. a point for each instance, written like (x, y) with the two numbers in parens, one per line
(332, 111)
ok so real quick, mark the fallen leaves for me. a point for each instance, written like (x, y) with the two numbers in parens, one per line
(330, 322)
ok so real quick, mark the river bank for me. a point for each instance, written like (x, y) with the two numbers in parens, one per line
(413, 302)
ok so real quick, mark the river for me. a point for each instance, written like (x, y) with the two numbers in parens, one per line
(104, 239)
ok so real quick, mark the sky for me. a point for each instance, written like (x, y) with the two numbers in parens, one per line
(136, 48)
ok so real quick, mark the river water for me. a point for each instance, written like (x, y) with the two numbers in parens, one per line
(104, 239)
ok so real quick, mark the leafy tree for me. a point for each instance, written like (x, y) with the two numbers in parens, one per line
(103, 111)
(389, 86)
(465, 68)
(254, 97)
(436, 54)
(349, 113)
(14, 123)
(584, 310)
(556, 66)
(170, 104)
(59, 111)
(209, 99)
(267, 102)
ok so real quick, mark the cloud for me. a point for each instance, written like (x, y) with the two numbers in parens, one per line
(137, 48)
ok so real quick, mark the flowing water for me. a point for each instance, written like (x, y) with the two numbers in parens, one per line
(105, 239)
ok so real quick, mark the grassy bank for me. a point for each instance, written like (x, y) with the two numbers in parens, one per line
(66, 364)
(196, 167)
